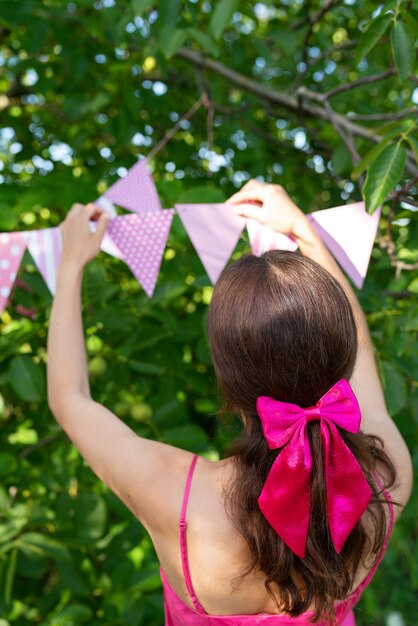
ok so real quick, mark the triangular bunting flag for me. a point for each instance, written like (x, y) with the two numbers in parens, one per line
(45, 248)
(136, 191)
(214, 231)
(12, 249)
(142, 239)
(263, 238)
(107, 244)
(349, 233)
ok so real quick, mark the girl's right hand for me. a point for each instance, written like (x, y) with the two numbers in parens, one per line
(270, 205)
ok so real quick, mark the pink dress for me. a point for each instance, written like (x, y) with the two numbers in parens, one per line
(177, 613)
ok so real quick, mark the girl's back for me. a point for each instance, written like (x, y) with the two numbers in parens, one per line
(201, 558)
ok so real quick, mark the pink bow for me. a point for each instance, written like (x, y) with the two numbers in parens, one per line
(285, 500)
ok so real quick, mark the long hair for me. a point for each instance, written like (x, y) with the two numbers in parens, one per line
(280, 325)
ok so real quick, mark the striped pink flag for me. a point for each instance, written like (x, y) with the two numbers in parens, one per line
(45, 248)
(12, 249)
(263, 238)
(136, 191)
(142, 239)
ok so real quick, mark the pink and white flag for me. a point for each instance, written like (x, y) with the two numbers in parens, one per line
(349, 233)
(107, 245)
(142, 238)
(12, 249)
(214, 231)
(263, 238)
(45, 247)
(136, 191)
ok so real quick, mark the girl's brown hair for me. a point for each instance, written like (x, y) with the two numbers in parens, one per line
(280, 325)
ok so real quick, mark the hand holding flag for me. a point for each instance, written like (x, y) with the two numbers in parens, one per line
(81, 240)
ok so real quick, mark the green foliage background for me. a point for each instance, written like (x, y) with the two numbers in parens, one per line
(84, 89)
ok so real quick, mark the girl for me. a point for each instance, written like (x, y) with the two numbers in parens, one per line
(291, 526)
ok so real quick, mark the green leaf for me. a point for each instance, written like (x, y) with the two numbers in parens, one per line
(341, 159)
(383, 175)
(8, 464)
(190, 437)
(168, 12)
(90, 516)
(202, 193)
(42, 546)
(414, 145)
(27, 379)
(204, 40)
(372, 155)
(171, 40)
(146, 368)
(8, 220)
(394, 386)
(140, 6)
(73, 614)
(221, 16)
(371, 36)
(403, 49)
(10, 576)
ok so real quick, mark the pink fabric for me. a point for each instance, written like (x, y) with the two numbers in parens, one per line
(214, 231)
(136, 191)
(177, 613)
(349, 233)
(12, 249)
(285, 499)
(45, 247)
(142, 238)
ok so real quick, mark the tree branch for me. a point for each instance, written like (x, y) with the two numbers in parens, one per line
(296, 105)
(384, 117)
(366, 80)
(315, 17)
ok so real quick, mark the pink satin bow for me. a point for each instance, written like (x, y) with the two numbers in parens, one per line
(285, 500)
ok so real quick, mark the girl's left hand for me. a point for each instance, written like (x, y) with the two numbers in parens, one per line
(79, 244)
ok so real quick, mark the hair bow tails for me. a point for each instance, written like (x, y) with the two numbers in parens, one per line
(347, 490)
(285, 499)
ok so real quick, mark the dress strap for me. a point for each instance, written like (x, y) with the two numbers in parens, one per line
(183, 540)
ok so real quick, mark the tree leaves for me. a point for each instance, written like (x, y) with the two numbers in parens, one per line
(90, 516)
(403, 49)
(372, 155)
(383, 175)
(372, 35)
(140, 6)
(221, 16)
(394, 387)
(27, 379)
(92, 105)
(39, 545)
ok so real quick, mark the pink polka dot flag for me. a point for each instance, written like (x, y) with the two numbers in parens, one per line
(142, 239)
(12, 249)
(136, 191)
